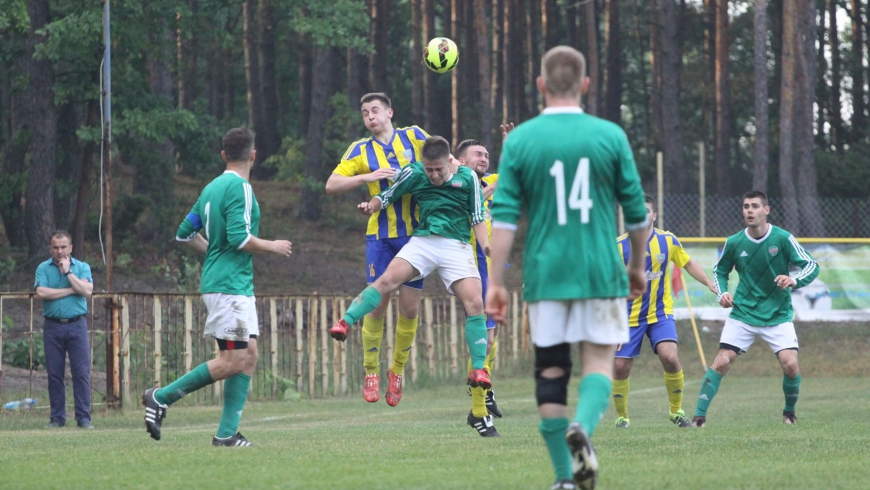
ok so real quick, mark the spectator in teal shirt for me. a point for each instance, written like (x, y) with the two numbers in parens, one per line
(64, 285)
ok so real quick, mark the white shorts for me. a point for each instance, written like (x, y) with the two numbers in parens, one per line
(741, 335)
(598, 321)
(454, 260)
(230, 317)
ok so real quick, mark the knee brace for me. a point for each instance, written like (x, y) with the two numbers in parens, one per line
(552, 390)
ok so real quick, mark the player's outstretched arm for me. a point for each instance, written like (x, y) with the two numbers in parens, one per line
(483, 240)
(338, 183)
(197, 244)
(496, 295)
(282, 248)
(697, 272)
(636, 267)
(371, 207)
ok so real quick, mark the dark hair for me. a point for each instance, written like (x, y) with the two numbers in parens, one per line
(756, 194)
(62, 233)
(563, 69)
(463, 146)
(435, 148)
(376, 96)
(238, 144)
(650, 200)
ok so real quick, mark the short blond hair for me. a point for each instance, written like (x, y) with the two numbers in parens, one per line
(563, 70)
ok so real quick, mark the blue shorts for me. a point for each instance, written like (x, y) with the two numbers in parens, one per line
(379, 254)
(663, 331)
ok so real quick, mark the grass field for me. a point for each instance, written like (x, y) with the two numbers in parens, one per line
(425, 443)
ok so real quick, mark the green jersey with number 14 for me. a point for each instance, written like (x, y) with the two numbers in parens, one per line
(758, 301)
(568, 170)
(228, 214)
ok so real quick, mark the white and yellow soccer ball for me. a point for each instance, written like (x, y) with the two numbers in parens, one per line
(441, 55)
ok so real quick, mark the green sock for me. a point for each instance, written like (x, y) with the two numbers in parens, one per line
(553, 431)
(188, 383)
(362, 305)
(709, 387)
(235, 395)
(791, 388)
(475, 337)
(594, 393)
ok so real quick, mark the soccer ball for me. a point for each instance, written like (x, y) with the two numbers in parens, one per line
(441, 55)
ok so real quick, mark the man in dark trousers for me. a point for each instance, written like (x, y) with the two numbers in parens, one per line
(64, 285)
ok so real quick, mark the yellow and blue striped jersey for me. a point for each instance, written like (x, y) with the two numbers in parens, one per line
(657, 303)
(479, 255)
(367, 155)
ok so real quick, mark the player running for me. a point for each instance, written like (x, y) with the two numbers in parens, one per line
(228, 214)
(652, 314)
(450, 206)
(567, 170)
(762, 254)
(375, 161)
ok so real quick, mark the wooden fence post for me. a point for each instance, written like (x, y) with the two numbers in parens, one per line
(430, 335)
(454, 338)
(273, 342)
(341, 312)
(158, 341)
(312, 346)
(515, 325)
(126, 401)
(188, 333)
(324, 350)
(300, 324)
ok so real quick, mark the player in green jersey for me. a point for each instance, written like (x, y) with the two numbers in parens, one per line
(568, 170)
(228, 216)
(761, 307)
(450, 206)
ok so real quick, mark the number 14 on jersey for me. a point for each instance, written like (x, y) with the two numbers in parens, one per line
(579, 196)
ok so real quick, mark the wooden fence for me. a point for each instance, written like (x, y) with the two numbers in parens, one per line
(141, 340)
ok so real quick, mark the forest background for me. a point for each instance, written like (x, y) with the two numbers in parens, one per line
(775, 92)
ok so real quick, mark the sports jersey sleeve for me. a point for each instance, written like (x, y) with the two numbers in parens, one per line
(507, 201)
(403, 185)
(798, 256)
(678, 254)
(239, 203)
(352, 163)
(720, 272)
(475, 200)
(191, 225)
(628, 190)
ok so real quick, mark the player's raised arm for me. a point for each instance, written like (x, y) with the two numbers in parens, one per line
(403, 185)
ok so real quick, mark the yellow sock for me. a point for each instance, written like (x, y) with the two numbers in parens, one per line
(489, 362)
(372, 334)
(674, 384)
(478, 402)
(620, 396)
(406, 330)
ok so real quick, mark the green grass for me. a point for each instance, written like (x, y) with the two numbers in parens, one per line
(424, 443)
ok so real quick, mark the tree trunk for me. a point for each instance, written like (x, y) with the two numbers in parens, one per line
(430, 81)
(677, 181)
(252, 70)
(416, 51)
(613, 90)
(323, 87)
(593, 95)
(378, 60)
(550, 23)
(709, 78)
(68, 166)
(484, 71)
(508, 49)
(271, 141)
(455, 27)
(788, 189)
(533, 59)
(761, 151)
(85, 180)
(836, 78)
(812, 221)
(306, 68)
(14, 169)
(645, 83)
(42, 114)
(856, 70)
(496, 87)
(655, 68)
(822, 109)
(723, 102)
